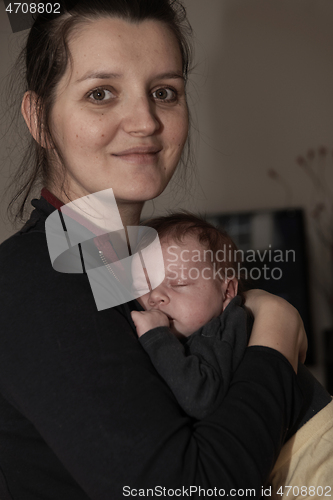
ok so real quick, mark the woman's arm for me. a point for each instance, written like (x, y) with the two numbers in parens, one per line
(277, 325)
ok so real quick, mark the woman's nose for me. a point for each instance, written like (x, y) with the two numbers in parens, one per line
(158, 296)
(140, 119)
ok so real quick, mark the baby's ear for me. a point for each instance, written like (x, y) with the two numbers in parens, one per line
(230, 291)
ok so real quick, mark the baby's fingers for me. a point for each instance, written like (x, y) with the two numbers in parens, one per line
(136, 316)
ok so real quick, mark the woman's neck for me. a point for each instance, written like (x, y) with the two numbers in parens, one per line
(129, 211)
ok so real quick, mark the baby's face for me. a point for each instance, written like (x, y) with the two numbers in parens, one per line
(189, 294)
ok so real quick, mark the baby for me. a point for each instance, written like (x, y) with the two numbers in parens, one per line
(200, 284)
(199, 303)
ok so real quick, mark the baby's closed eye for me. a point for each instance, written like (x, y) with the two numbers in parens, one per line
(178, 283)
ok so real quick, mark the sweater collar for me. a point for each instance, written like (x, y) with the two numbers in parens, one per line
(49, 202)
(50, 198)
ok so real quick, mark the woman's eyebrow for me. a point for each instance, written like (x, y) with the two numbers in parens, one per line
(170, 75)
(105, 76)
(98, 75)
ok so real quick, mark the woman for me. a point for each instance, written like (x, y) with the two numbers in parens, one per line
(83, 414)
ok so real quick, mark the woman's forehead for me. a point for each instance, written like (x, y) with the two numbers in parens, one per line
(99, 43)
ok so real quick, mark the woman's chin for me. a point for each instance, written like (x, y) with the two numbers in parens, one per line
(140, 195)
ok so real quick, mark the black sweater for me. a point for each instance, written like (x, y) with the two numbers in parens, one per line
(83, 412)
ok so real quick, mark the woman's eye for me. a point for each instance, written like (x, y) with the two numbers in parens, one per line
(166, 95)
(101, 95)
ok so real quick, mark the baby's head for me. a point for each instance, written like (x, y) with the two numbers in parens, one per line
(200, 272)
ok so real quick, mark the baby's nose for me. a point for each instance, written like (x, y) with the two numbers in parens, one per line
(158, 296)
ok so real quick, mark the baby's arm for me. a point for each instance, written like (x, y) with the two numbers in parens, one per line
(199, 377)
(194, 382)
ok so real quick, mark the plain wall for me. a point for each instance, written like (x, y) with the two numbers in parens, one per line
(260, 95)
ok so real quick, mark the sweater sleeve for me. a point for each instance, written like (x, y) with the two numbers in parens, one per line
(194, 381)
(199, 373)
(88, 394)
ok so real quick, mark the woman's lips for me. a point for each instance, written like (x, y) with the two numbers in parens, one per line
(139, 158)
(139, 155)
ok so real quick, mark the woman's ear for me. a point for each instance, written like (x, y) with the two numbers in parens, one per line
(230, 292)
(29, 110)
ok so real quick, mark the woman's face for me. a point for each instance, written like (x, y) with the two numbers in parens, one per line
(120, 116)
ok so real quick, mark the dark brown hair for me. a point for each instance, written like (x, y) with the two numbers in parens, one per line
(46, 58)
(178, 225)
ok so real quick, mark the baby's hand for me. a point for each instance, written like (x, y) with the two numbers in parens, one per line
(146, 320)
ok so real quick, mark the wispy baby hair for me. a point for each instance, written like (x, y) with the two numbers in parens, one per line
(178, 225)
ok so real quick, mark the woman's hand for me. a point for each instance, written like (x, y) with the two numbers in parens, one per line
(146, 320)
(277, 325)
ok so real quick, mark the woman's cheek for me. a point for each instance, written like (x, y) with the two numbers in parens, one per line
(92, 129)
(89, 140)
(182, 123)
(176, 122)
